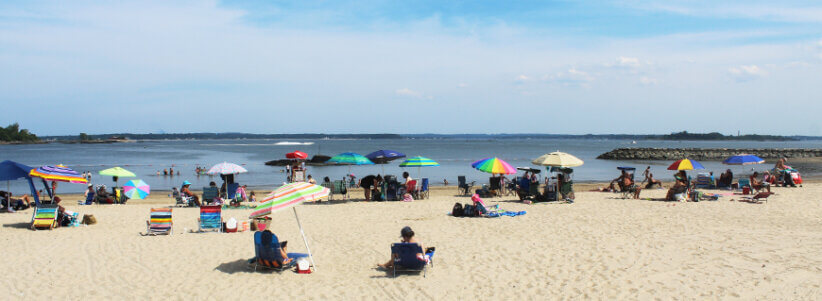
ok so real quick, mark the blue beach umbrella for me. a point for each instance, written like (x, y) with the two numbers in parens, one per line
(743, 159)
(384, 156)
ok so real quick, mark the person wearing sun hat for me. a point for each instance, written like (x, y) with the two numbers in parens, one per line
(187, 193)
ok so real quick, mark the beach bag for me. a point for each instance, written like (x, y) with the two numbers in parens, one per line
(407, 197)
(89, 219)
(469, 210)
(457, 211)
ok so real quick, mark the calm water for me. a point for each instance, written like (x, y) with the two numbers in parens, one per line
(455, 155)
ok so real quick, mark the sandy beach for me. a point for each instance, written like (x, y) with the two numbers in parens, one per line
(600, 247)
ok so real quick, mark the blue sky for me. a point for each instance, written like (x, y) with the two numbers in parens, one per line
(412, 66)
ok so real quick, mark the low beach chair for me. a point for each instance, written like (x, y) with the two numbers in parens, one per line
(211, 218)
(44, 217)
(463, 186)
(495, 184)
(744, 183)
(338, 187)
(180, 200)
(89, 199)
(423, 191)
(411, 187)
(704, 180)
(210, 194)
(159, 222)
(270, 256)
(406, 258)
(231, 193)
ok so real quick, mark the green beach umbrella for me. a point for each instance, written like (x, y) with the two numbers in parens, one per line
(419, 162)
(117, 172)
(350, 159)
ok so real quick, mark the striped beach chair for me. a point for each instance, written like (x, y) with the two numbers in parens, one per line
(211, 218)
(45, 217)
(159, 222)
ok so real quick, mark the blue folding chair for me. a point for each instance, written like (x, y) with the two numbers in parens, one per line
(423, 192)
(269, 255)
(406, 260)
(231, 191)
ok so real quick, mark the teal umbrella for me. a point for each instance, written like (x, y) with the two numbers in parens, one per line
(350, 159)
(419, 162)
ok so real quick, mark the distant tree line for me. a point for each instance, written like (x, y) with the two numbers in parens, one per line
(13, 133)
(684, 135)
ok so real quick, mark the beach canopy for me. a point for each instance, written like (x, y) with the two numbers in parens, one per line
(418, 161)
(10, 170)
(626, 168)
(384, 155)
(58, 173)
(296, 155)
(558, 159)
(136, 189)
(350, 159)
(743, 159)
(117, 172)
(289, 195)
(226, 168)
(494, 166)
(685, 164)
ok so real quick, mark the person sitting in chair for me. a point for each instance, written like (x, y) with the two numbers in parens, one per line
(623, 181)
(186, 192)
(680, 186)
(407, 237)
(725, 179)
(757, 184)
(652, 181)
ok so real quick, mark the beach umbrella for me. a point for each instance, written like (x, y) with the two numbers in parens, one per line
(296, 155)
(350, 159)
(226, 168)
(419, 162)
(558, 159)
(57, 173)
(136, 189)
(494, 166)
(685, 164)
(290, 195)
(117, 172)
(10, 170)
(743, 159)
(384, 156)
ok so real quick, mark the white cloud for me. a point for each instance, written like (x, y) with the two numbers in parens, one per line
(648, 81)
(462, 85)
(747, 72)
(570, 77)
(408, 92)
(628, 62)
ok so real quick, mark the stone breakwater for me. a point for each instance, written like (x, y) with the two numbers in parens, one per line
(707, 154)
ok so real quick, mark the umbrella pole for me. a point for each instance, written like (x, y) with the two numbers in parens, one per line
(304, 239)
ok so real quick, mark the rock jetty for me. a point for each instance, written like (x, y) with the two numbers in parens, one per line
(706, 154)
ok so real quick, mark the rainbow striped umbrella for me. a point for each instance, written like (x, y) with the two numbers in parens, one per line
(136, 189)
(58, 173)
(685, 164)
(494, 166)
(290, 195)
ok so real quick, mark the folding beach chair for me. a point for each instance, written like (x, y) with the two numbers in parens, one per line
(159, 222)
(704, 180)
(210, 194)
(339, 187)
(406, 258)
(411, 187)
(89, 199)
(180, 200)
(45, 217)
(463, 186)
(211, 218)
(231, 191)
(495, 184)
(744, 183)
(423, 191)
(270, 256)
